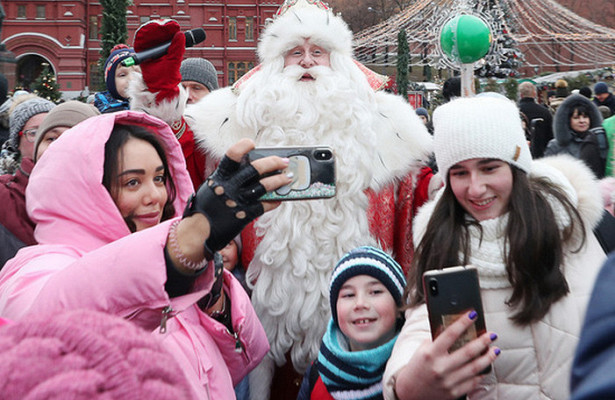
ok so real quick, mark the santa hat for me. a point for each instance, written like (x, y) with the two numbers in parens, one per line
(297, 20)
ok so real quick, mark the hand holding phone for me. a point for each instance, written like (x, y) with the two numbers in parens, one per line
(435, 373)
(312, 169)
(450, 293)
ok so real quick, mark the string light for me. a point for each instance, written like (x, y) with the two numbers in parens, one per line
(546, 34)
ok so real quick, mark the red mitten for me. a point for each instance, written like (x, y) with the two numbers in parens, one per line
(161, 75)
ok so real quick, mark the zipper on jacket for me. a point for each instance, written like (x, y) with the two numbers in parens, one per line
(166, 313)
(239, 346)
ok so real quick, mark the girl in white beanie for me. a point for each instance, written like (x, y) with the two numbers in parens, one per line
(526, 226)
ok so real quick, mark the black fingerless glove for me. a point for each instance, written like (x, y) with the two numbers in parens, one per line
(229, 200)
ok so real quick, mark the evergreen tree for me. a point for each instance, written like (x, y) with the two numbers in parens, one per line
(113, 29)
(511, 87)
(492, 86)
(46, 86)
(403, 58)
(512, 56)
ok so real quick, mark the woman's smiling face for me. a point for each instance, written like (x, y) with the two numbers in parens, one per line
(141, 191)
(482, 186)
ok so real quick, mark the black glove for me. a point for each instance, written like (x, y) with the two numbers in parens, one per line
(229, 200)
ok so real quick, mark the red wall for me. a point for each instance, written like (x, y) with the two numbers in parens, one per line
(61, 38)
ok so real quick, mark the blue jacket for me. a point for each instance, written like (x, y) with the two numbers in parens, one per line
(594, 362)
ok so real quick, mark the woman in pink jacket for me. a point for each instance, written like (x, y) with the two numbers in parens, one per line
(106, 201)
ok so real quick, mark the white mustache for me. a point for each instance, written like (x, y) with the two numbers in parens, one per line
(295, 72)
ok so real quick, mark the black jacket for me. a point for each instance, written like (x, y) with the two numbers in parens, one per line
(9, 247)
(540, 125)
(609, 102)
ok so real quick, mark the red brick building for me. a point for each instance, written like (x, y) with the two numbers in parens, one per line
(65, 34)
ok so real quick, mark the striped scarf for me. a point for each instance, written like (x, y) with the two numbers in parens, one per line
(351, 374)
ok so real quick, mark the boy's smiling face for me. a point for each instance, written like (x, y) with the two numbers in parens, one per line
(366, 312)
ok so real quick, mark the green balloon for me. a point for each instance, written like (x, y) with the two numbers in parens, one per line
(465, 38)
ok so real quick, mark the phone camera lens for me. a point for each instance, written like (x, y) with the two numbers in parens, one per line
(322, 155)
(433, 287)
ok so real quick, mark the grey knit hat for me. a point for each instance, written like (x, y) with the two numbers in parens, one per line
(23, 112)
(66, 114)
(199, 70)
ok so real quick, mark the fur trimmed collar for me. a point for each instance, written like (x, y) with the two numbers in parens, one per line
(402, 145)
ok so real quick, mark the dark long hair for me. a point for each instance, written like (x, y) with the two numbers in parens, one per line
(113, 154)
(535, 245)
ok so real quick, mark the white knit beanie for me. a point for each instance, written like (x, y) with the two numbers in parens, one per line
(479, 127)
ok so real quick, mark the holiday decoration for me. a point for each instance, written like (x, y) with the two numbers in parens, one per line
(465, 38)
(540, 34)
(113, 31)
(402, 64)
(45, 85)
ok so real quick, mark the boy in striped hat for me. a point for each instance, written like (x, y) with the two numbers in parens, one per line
(366, 296)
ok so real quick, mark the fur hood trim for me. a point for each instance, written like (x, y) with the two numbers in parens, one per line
(141, 99)
(583, 182)
(567, 172)
(297, 24)
(561, 122)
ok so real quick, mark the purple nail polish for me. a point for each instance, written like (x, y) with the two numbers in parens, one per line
(493, 336)
(497, 351)
(473, 315)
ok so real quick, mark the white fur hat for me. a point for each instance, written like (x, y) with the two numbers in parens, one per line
(479, 127)
(299, 20)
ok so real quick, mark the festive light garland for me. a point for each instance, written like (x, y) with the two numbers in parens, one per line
(546, 33)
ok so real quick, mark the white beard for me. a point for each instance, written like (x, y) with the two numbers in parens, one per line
(303, 240)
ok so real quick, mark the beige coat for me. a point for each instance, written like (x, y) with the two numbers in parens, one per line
(536, 359)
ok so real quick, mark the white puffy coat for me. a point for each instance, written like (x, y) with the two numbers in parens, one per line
(536, 359)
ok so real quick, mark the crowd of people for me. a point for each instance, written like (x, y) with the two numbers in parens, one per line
(133, 228)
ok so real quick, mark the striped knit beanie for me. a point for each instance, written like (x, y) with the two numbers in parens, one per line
(118, 54)
(370, 261)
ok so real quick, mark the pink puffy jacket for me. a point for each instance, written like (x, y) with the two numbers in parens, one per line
(87, 258)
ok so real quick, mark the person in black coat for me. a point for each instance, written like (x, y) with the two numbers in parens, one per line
(540, 119)
(603, 97)
(578, 131)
